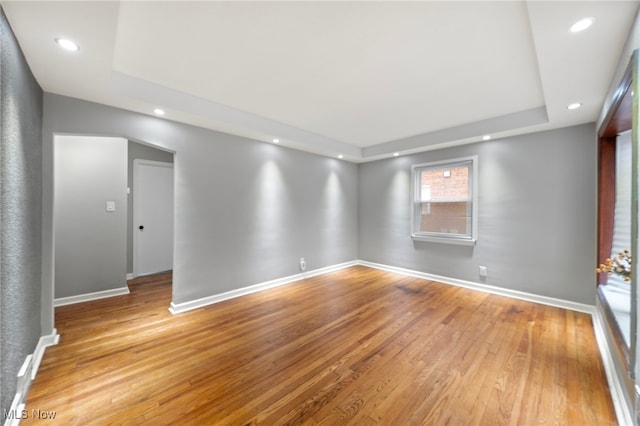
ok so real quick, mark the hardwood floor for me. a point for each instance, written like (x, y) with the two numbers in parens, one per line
(358, 346)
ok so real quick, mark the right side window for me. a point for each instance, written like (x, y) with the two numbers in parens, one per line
(444, 201)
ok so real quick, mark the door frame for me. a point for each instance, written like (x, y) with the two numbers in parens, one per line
(136, 163)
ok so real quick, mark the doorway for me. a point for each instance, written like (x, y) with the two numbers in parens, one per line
(93, 215)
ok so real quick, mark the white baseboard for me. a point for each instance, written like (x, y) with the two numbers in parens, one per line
(178, 308)
(131, 276)
(624, 412)
(23, 382)
(25, 376)
(514, 294)
(44, 342)
(61, 301)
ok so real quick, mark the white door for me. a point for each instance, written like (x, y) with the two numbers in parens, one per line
(152, 217)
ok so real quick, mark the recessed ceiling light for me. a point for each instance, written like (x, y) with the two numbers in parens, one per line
(395, 154)
(574, 105)
(158, 111)
(341, 156)
(486, 137)
(581, 25)
(67, 44)
(276, 141)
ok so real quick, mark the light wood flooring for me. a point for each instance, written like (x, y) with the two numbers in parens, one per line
(359, 346)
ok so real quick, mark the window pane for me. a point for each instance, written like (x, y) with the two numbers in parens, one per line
(445, 184)
(446, 218)
(622, 207)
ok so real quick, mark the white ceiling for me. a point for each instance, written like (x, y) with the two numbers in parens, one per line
(363, 79)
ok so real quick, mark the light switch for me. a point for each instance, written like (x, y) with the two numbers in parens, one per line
(482, 271)
(111, 206)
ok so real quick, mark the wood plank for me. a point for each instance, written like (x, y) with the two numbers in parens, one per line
(358, 346)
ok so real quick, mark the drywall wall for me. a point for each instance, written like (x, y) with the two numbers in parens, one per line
(245, 211)
(536, 215)
(90, 242)
(632, 43)
(20, 211)
(138, 151)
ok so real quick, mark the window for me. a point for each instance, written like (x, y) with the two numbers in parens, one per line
(622, 208)
(444, 201)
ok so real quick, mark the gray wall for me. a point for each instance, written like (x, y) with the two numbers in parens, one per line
(245, 211)
(90, 243)
(536, 215)
(20, 211)
(138, 151)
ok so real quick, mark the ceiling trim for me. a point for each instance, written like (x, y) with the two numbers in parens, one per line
(477, 129)
(136, 88)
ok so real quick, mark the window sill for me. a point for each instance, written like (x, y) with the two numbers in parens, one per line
(444, 240)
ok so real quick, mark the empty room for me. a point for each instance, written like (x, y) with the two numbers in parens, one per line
(319, 212)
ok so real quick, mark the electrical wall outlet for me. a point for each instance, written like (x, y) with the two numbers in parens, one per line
(303, 264)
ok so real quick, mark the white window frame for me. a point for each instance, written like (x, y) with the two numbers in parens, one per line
(416, 171)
